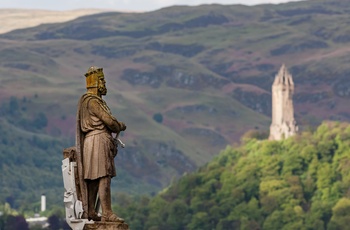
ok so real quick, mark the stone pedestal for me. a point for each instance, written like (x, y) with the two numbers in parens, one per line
(106, 226)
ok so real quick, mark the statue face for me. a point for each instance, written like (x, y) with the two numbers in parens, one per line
(102, 85)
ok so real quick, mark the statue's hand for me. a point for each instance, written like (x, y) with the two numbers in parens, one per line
(122, 126)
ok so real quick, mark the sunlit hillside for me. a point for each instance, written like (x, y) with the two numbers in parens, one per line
(12, 19)
(299, 183)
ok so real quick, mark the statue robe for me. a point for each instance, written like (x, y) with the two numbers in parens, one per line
(95, 146)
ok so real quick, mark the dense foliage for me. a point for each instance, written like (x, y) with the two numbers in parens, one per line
(299, 183)
(30, 156)
(10, 219)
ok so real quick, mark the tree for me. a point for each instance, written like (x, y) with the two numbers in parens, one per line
(158, 117)
(341, 214)
(16, 223)
(13, 105)
(54, 222)
(40, 121)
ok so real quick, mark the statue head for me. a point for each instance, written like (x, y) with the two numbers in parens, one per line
(96, 79)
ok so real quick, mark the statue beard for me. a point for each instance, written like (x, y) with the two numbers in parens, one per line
(102, 89)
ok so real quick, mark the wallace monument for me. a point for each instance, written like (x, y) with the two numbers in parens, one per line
(283, 122)
(89, 166)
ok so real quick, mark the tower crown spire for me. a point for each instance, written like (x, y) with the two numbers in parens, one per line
(283, 77)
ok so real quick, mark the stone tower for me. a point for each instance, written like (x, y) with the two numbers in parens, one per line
(283, 123)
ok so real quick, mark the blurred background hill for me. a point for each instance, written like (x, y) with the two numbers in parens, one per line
(187, 81)
(22, 18)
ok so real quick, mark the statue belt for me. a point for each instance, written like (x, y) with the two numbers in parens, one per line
(95, 132)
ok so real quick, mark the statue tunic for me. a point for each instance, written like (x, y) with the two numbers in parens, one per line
(96, 125)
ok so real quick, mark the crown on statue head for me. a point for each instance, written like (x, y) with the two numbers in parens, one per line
(92, 76)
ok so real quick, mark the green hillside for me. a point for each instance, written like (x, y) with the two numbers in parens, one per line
(187, 81)
(299, 183)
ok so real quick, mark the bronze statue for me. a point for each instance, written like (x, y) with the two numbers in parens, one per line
(96, 148)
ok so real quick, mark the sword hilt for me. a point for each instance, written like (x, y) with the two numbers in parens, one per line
(119, 142)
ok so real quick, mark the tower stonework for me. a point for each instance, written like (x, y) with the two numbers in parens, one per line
(283, 122)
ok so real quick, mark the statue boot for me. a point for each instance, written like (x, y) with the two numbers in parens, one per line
(111, 217)
(92, 195)
(104, 192)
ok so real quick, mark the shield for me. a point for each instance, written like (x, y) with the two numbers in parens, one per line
(81, 184)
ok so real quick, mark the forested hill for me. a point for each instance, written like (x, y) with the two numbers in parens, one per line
(299, 183)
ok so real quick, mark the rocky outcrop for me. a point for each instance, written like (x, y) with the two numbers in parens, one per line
(184, 50)
(259, 102)
(172, 77)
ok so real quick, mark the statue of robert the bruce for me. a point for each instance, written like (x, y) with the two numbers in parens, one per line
(96, 148)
